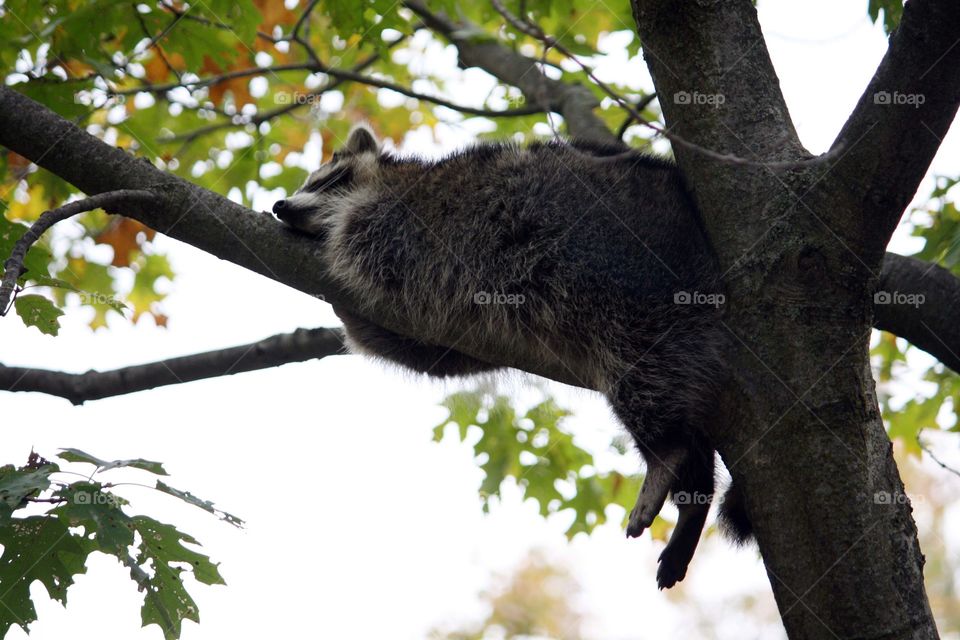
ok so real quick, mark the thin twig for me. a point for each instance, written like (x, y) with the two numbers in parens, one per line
(639, 107)
(525, 26)
(13, 267)
(933, 457)
(210, 23)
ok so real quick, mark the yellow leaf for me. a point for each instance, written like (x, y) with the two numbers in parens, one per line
(31, 209)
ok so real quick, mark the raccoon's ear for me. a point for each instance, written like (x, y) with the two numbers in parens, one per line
(361, 140)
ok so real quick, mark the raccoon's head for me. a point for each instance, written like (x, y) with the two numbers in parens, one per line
(350, 175)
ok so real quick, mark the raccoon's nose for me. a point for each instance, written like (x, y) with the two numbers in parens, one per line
(281, 209)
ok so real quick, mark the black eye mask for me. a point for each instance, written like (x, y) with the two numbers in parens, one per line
(339, 178)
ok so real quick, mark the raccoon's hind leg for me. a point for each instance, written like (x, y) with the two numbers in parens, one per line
(692, 492)
(680, 463)
(425, 358)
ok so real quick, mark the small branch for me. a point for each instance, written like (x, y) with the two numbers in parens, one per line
(266, 116)
(476, 49)
(180, 13)
(295, 33)
(926, 449)
(13, 267)
(639, 107)
(534, 31)
(916, 300)
(284, 348)
(340, 74)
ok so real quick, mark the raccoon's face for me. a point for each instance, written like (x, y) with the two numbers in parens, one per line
(334, 185)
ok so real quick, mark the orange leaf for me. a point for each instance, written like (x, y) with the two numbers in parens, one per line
(76, 68)
(155, 68)
(274, 12)
(239, 87)
(122, 234)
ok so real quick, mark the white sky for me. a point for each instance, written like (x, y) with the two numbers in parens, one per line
(358, 525)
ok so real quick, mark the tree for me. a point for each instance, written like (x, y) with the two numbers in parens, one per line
(801, 239)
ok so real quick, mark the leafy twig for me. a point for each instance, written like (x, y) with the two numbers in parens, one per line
(14, 264)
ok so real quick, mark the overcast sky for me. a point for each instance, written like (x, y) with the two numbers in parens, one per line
(358, 525)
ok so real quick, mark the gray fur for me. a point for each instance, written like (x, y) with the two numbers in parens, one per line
(570, 253)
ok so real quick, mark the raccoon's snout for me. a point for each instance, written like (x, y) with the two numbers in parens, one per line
(282, 209)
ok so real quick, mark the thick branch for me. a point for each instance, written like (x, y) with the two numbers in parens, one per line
(573, 101)
(917, 301)
(902, 117)
(210, 222)
(109, 201)
(299, 346)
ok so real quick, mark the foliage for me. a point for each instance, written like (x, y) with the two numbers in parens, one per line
(890, 10)
(51, 545)
(535, 451)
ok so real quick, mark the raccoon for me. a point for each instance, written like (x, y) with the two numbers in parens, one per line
(585, 256)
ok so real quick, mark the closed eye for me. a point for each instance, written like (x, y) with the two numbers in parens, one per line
(338, 178)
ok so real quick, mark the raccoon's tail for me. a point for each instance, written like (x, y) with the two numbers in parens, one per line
(734, 523)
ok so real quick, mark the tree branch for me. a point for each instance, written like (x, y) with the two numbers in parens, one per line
(299, 346)
(917, 301)
(110, 201)
(572, 101)
(901, 118)
(340, 74)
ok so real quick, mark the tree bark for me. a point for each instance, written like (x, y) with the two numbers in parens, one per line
(799, 426)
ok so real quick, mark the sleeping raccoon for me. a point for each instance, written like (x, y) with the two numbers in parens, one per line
(584, 256)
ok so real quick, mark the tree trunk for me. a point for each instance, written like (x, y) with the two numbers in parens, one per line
(799, 426)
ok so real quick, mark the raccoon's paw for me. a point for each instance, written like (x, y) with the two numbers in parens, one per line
(661, 474)
(643, 513)
(672, 569)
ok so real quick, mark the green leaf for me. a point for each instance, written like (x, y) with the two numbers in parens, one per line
(37, 259)
(18, 484)
(76, 455)
(892, 11)
(106, 527)
(206, 505)
(463, 407)
(167, 602)
(36, 548)
(37, 311)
